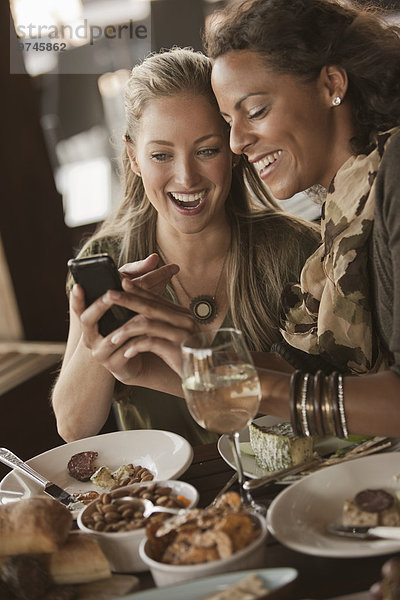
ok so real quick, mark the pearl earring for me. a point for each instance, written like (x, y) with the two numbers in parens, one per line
(336, 101)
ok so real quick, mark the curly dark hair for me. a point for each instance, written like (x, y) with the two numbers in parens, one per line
(299, 37)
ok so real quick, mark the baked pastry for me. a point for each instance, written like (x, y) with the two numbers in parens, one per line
(79, 560)
(33, 525)
(40, 557)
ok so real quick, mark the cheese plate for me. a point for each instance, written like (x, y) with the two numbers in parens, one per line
(251, 469)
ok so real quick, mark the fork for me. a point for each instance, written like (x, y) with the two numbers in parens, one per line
(224, 489)
(364, 533)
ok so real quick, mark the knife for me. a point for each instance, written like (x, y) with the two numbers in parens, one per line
(10, 459)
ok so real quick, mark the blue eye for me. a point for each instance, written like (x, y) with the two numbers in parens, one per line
(159, 156)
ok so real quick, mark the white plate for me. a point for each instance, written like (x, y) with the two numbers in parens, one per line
(165, 454)
(299, 515)
(250, 467)
(273, 579)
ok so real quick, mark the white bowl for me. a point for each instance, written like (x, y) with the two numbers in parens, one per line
(122, 548)
(251, 557)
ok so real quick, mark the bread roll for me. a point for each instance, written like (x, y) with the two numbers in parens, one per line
(117, 585)
(79, 560)
(33, 525)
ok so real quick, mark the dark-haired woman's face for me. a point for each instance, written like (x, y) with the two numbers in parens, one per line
(287, 128)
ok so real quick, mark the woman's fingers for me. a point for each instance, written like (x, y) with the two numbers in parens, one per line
(146, 303)
(113, 359)
(89, 320)
(139, 267)
(141, 325)
(168, 351)
(77, 299)
(159, 327)
(156, 281)
(91, 316)
(144, 274)
(142, 302)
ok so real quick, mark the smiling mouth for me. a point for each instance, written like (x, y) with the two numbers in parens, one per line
(188, 201)
(267, 160)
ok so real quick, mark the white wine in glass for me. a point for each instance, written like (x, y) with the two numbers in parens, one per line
(221, 388)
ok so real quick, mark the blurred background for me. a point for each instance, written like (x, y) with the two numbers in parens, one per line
(64, 121)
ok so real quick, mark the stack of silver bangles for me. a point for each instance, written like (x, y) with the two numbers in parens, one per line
(317, 404)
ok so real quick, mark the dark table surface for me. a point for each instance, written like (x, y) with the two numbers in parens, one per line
(319, 577)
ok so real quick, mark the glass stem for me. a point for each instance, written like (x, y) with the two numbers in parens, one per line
(234, 440)
(245, 495)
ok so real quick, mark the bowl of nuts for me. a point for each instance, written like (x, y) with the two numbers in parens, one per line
(119, 525)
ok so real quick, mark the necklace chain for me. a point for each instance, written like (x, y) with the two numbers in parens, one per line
(203, 307)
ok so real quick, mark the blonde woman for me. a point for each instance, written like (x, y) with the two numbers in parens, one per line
(188, 201)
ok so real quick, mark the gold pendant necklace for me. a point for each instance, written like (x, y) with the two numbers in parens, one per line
(204, 307)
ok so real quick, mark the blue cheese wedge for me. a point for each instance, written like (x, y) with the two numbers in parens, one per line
(277, 447)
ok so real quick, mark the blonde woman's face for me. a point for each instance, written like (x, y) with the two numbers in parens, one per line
(289, 130)
(183, 155)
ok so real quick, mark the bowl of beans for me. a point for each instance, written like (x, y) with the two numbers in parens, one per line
(118, 526)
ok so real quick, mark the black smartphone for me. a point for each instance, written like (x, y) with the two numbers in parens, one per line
(97, 274)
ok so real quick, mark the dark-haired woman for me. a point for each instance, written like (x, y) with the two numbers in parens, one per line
(311, 91)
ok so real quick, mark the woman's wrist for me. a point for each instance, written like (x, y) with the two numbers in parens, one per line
(274, 393)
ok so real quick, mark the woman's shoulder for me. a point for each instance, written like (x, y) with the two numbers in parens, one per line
(387, 183)
(391, 154)
(100, 245)
(388, 148)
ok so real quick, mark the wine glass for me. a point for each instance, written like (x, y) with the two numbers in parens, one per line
(222, 389)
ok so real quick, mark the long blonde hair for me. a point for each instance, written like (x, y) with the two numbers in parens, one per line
(255, 219)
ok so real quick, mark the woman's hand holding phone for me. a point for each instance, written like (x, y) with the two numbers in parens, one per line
(103, 351)
(159, 327)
